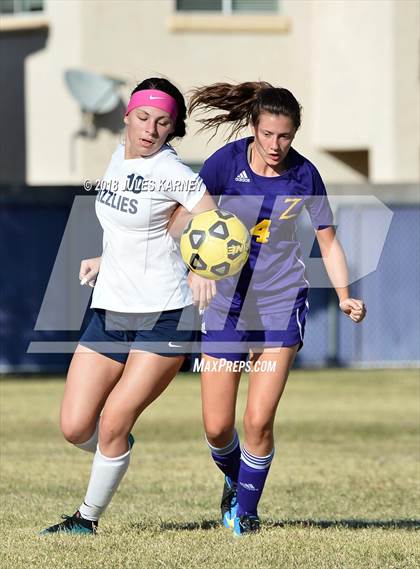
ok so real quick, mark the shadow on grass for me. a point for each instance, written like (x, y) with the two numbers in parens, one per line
(319, 524)
(347, 524)
(177, 526)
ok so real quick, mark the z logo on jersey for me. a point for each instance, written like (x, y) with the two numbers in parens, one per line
(294, 202)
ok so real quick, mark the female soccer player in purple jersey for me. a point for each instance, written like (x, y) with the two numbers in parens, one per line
(264, 181)
(143, 319)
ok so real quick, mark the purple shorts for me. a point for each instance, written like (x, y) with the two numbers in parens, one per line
(231, 335)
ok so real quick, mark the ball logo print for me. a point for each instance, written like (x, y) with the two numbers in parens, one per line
(215, 244)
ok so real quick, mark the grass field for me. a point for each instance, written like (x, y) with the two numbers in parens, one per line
(342, 491)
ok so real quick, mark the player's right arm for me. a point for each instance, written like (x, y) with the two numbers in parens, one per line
(182, 216)
(209, 174)
(203, 290)
(89, 269)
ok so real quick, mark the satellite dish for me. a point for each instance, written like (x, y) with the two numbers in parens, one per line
(94, 93)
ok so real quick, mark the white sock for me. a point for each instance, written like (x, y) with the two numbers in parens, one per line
(105, 477)
(91, 444)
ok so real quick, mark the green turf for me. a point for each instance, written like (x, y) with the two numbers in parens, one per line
(342, 491)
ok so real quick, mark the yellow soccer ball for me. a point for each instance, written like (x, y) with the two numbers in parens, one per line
(215, 244)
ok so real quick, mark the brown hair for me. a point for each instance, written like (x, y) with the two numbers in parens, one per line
(243, 103)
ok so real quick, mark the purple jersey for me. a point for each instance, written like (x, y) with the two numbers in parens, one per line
(273, 279)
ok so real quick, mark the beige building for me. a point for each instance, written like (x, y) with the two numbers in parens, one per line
(353, 65)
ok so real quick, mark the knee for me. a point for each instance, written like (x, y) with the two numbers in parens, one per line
(219, 433)
(75, 433)
(258, 426)
(111, 429)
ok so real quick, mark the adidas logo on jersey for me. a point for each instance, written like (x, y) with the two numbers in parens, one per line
(242, 177)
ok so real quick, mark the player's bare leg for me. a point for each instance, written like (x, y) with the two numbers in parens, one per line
(218, 396)
(90, 379)
(145, 377)
(131, 388)
(264, 392)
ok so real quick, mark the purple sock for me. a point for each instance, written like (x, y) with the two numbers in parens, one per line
(252, 475)
(228, 458)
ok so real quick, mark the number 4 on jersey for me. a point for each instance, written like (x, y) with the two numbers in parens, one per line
(262, 230)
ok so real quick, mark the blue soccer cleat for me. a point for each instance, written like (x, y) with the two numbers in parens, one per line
(74, 524)
(245, 525)
(228, 504)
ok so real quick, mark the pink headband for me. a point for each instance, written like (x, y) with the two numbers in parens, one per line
(153, 98)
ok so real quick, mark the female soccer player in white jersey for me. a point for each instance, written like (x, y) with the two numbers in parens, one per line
(264, 181)
(144, 318)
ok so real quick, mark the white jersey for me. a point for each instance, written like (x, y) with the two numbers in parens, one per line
(142, 269)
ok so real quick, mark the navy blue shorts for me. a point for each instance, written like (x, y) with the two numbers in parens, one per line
(167, 333)
(230, 335)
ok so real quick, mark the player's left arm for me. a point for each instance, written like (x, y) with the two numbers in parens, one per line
(181, 216)
(336, 266)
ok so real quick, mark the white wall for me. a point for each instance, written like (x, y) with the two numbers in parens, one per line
(353, 66)
(365, 76)
(148, 48)
(407, 92)
(52, 115)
